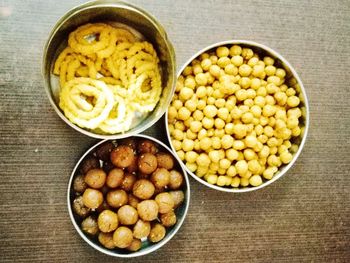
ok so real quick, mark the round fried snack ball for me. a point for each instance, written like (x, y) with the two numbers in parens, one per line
(88, 164)
(133, 200)
(95, 178)
(79, 208)
(115, 178)
(147, 163)
(122, 156)
(165, 160)
(157, 233)
(141, 229)
(176, 180)
(178, 197)
(135, 245)
(79, 184)
(106, 239)
(92, 198)
(122, 237)
(143, 189)
(104, 150)
(89, 226)
(168, 219)
(117, 198)
(160, 178)
(127, 215)
(148, 210)
(128, 182)
(107, 221)
(146, 146)
(165, 202)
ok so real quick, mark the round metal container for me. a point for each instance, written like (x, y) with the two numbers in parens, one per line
(281, 62)
(150, 247)
(131, 16)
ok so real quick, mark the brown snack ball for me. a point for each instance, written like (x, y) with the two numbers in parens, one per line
(133, 200)
(143, 189)
(178, 197)
(79, 184)
(132, 168)
(146, 146)
(122, 237)
(95, 178)
(147, 163)
(129, 142)
(106, 239)
(104, 150)
(107, 166)
(168, 219)
(135, 245)
(92, 198)
(128, 182)
(165, 202)
(122, 156)
(165, 160)
(176, 180)
(79, 208)
(127, 215)
(141, 229)
(160, 177)
(148, 210)
(89, 226)
(157, 233)
(88, 164)
(107, 221)
(115, 178)
(117, 198)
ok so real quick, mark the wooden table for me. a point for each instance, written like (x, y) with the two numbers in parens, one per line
(303, 217)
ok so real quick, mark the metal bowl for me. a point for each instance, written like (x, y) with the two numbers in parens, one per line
(147, 247)
(130, 16)
(291, 73)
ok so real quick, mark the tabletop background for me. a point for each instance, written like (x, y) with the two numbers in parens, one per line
(303, 217)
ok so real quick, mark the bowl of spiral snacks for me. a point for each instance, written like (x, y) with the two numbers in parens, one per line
(239, 116)
(109, 69)
(128, 197)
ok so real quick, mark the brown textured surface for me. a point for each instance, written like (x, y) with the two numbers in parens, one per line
(302, 217)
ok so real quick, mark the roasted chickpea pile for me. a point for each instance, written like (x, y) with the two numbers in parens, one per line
(235, 118)
(126, 193)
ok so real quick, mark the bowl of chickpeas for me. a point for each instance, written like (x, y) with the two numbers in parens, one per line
(128, 197)
(239, 116)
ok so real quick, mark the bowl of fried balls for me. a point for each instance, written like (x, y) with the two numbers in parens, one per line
(239, 117)
(128, 197)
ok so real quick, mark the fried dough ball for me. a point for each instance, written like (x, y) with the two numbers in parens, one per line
(160, 177)
(106, 239)
(92, 198)
(168, 219)
(147, 163)
(133, 201)
(95, 178)
(127, 215)
(79, 184)
(88, 164)
(146, 146)
(148, 210)
(135, 245)
(141, 229)
(115, 178)
(104, 150)
(79, 208)
(89, 226)
(117, 198)
(178, 197)
(128, 182)
(165, 160)
(107, 221)
(176, 180)
(122, 156)
(143, 189)
(165, 202)
(157, 233)
(129, 142)
(122, 237)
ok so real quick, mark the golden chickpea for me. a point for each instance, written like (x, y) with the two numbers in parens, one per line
(203, 160)
(286, 157)
(208, 122)
(293, 101)
(241, 167)
(191, 156)
(219, 123)
(255, 180)
(214, 70)
(238, 145)
(222, 51)
(198, 115)
(216, 143)
(205, 143)
(240, 131)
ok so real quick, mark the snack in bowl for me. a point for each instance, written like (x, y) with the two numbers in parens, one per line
(237, 116)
